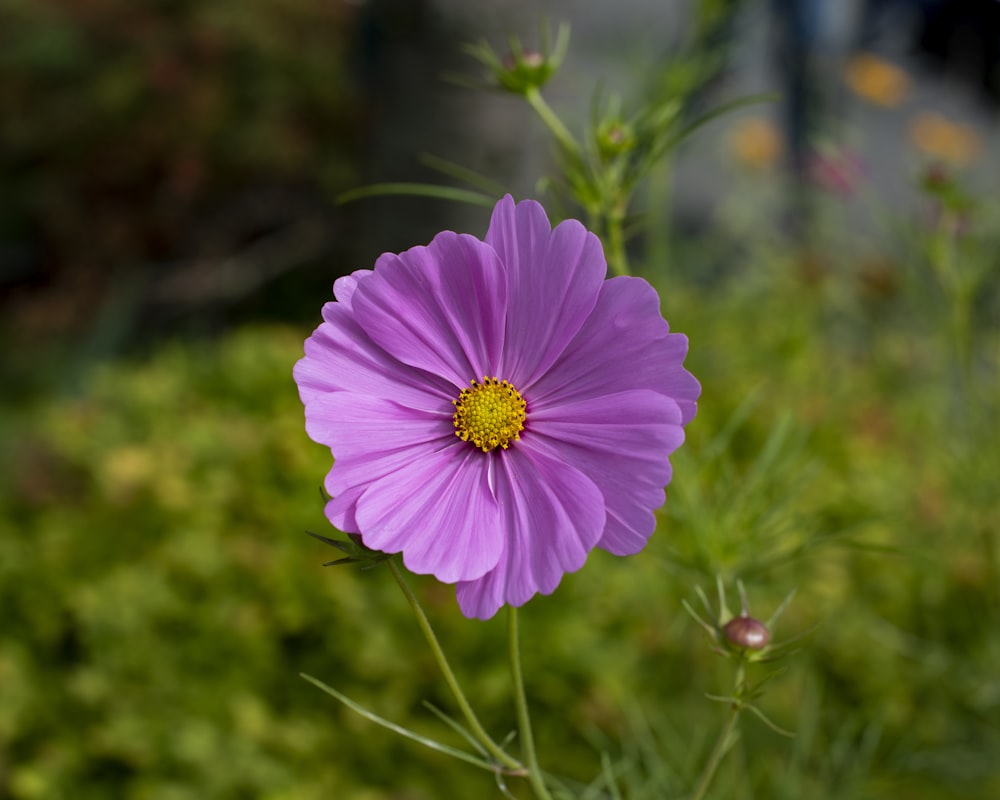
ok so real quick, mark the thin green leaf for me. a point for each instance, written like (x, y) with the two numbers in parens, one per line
(763, 718)
(729, 700)
(715, 113)
(420, 190)
(704, 602)
(610, 779)
(392, 726)
(709, 629)
(465, 82)
(780, 609)
(455, 726)
(463, 174)
(724, 612)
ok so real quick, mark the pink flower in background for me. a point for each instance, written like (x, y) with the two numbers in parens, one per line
(838, 172)
(496, 409)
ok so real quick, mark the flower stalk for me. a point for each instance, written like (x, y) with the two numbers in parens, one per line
(521, 705)
(551, 120)
(471, 719)
(724, 741)
(960, 290)
(617, 257)
(747, 641)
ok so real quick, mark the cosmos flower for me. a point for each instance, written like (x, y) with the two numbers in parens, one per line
(877, 80)
(839, 172)
(756, 142)
(941, 138)
(496, 409)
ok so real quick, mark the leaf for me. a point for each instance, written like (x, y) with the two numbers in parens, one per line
(455, 725)
(489, 766)
(725, 108)
(463, 174)
(420, 190)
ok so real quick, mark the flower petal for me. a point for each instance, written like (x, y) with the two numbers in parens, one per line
(552, 516)
(626, 344)
(354, 424)
(344, 286)
(340, 510)
(621, 442)
(439, 308)
(439, 512)
(339, 356)
(370, 437)
(554, 277)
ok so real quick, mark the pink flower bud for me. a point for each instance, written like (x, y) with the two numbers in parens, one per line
(747, 633)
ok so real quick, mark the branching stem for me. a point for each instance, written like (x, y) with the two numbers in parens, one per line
(722, 744)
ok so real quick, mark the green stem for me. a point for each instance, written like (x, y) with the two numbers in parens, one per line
(617, 258)
(722, 743)
(551, 119)
(963, 342)
(959, 292)
(521, 703)
(470, 716)
(657, 234)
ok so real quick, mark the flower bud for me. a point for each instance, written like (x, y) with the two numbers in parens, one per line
(529, 59)
(614, 138)
(936, 178)
(523, 70)
(747, 633)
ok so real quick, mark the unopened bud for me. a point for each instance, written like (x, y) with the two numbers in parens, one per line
(747, 633)
(614, 138)
(531, 59)
(936, 177)
(525, 70)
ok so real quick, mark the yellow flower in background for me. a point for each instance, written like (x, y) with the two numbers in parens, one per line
(876, 80)
(937, 136)
(756, 142)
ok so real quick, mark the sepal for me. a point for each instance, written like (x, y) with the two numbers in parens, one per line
(355, 549)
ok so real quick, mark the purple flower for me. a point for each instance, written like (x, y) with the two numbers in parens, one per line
(497, 409)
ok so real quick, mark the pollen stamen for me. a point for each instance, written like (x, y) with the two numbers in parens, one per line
(489, 414)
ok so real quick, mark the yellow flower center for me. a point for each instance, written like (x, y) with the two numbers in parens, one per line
(489, 414)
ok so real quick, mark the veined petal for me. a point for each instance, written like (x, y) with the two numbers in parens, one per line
(339, 356)
(438, 308)
(554, 277)
(626, 344)
(362, 468)
(340, 509)
(344, 286)
(438, 511)
(370, 438)
(551, 514)
(352, 475)
(353, 424)
(621, 442)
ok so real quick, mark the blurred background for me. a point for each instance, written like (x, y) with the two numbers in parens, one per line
(169, 229)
